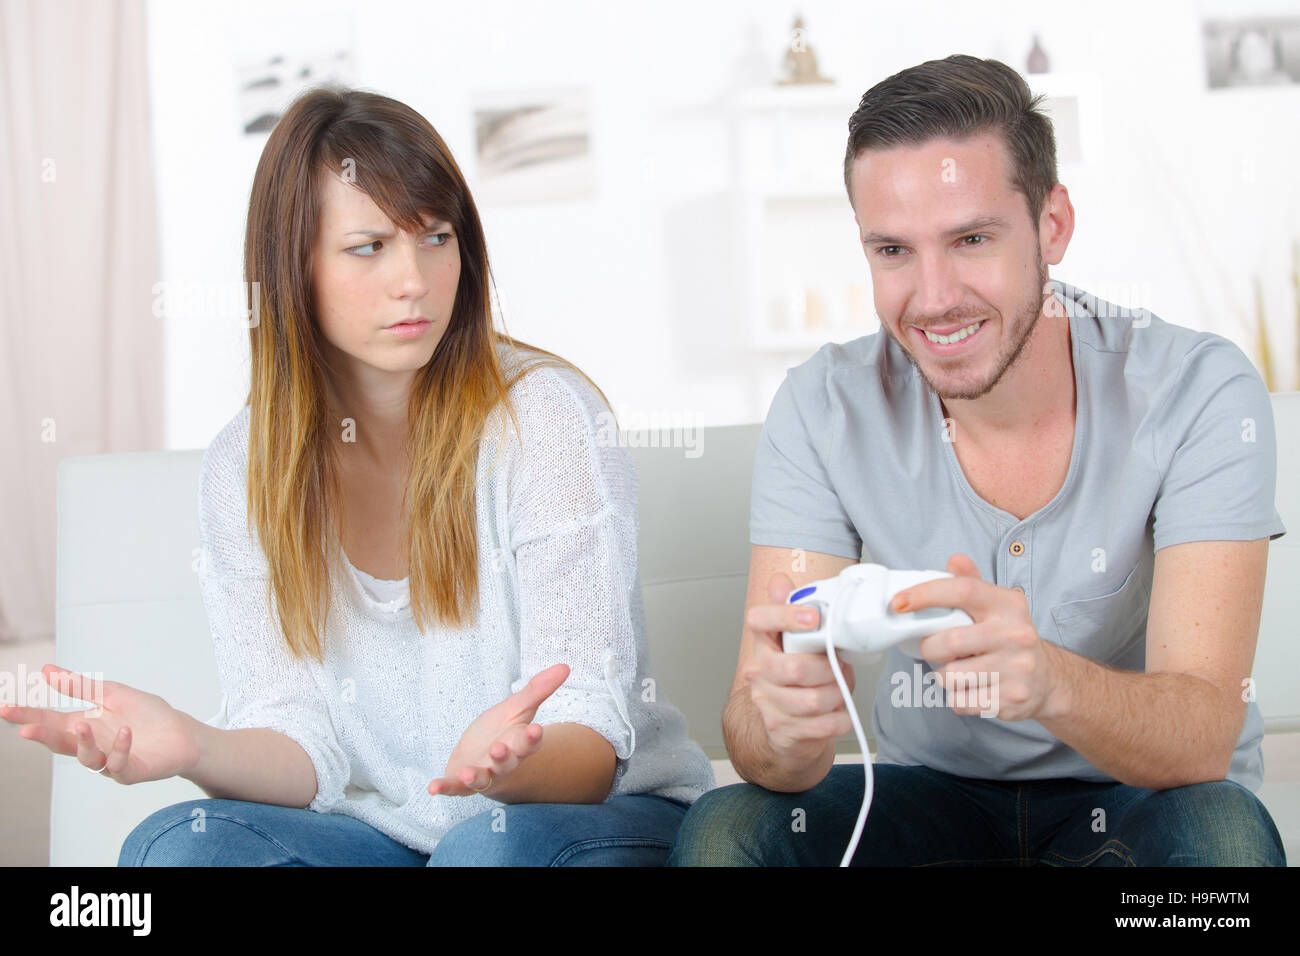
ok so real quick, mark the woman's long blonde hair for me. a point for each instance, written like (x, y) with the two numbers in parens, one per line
(398, 159)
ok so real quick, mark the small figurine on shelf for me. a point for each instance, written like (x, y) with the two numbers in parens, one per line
(1037, 58)
(800, 62)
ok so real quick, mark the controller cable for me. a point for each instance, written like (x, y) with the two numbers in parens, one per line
(862, 742)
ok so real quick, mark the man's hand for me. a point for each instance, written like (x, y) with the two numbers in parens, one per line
(796, 694)
(498, 739)
(1001, 651)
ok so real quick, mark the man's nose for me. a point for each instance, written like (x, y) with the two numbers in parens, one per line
(938, 290)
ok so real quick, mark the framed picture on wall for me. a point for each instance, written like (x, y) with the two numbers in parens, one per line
(1252, 52)
(270, 70)
(533, 146)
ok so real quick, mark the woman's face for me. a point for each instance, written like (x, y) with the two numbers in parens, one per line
(368, 277)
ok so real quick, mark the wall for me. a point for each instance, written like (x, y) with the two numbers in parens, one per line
(1189, 193)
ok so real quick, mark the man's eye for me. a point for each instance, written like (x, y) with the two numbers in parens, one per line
(964, 238)
(884, 250)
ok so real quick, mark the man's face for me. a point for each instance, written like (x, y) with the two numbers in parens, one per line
(951, 245)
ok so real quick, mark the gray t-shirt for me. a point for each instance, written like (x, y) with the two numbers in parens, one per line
(1173, 442)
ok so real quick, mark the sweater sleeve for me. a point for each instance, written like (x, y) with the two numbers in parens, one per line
(573, 519)
(262, 684)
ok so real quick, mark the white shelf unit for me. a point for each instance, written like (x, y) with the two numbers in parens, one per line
(804, 281)
(1073, 103)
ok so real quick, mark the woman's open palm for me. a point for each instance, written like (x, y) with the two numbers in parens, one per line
(499, 738)
(144, 737)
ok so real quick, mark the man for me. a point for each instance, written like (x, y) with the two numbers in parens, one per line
(1100, 484)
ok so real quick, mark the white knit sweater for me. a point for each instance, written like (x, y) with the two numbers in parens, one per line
(558, 582)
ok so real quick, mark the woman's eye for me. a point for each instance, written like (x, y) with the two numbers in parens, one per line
(356, 250)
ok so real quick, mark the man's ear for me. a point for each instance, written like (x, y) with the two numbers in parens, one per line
(1056, 225)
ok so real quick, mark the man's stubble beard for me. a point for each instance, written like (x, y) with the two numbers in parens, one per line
(1027, 315)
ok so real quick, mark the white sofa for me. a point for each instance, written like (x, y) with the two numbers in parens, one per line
(128, 606)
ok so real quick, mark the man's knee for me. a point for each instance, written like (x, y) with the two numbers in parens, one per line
(1219, 823)
(741, 825)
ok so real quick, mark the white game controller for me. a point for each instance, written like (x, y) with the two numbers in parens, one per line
(855, 617)
(854, 608)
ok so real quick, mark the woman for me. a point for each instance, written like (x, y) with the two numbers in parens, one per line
(455, 670)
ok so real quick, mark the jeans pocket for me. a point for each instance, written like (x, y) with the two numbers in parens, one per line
(1103, 628)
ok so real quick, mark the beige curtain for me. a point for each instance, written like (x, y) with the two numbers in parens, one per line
(80, 349)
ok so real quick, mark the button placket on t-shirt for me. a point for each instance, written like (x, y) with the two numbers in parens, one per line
(1013, 559)
(1012, 566)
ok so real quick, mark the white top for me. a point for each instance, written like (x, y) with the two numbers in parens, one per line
(558, 582)
(381, 589)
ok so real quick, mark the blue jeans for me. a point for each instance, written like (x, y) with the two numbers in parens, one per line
(922, 817)
(629, 830)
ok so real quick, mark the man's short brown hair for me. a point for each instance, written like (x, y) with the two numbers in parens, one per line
(958, 97)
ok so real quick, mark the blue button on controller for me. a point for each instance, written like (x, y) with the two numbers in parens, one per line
(801, 593)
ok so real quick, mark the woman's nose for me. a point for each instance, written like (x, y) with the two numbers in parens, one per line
(410, 281)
